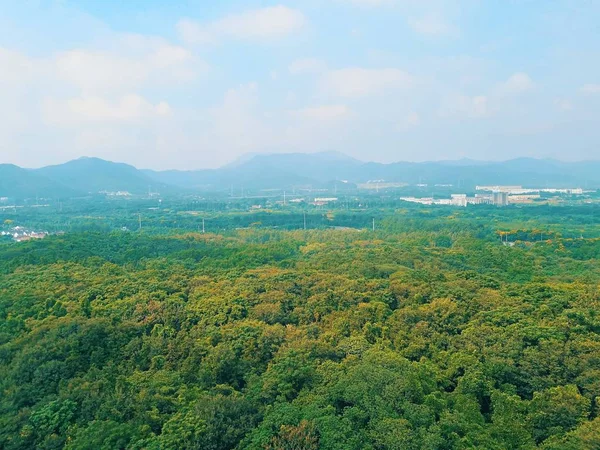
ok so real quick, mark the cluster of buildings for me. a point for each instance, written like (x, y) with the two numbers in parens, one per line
(116, 194)
(520, 190)
(518, 194)
(21, 234)
(380, 184)
(461, 200)
(322, 201)
(494, 195)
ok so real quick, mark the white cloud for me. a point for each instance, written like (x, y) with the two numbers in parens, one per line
(368, 3)
(432, 25)
(129, 68)
(324, 113)
(127, 62)
(236, 124)
(306, 65)
(90, 88)
(359, 82)
(411, 120)
(462, 106)
(425, 17)
(563, 104)
(265, 23)
(97, 70)
(97, 109)
(194, 33)
(500, 97)
(14, 67)
(240, 124)
(591, 89)
(166, 56)
(516, 84)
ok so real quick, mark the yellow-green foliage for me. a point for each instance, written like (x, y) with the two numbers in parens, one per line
(298, 340)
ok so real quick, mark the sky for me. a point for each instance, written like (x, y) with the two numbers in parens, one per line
(191, 84)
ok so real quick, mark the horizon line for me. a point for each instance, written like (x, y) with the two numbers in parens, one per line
(244, 159)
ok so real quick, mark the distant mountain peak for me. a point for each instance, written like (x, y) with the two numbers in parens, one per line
(241, 160)
(91, 175)
(91, 159)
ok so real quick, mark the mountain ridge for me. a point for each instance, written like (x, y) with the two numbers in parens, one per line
(94, 174)
(289, 170)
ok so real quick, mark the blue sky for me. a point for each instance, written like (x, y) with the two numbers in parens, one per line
(192, 84)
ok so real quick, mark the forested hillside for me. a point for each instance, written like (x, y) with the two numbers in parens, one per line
(16, 182)
(265, 339)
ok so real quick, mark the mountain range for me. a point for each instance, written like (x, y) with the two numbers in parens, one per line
(86, 176)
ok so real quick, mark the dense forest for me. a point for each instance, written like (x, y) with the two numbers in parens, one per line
(422, 335)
